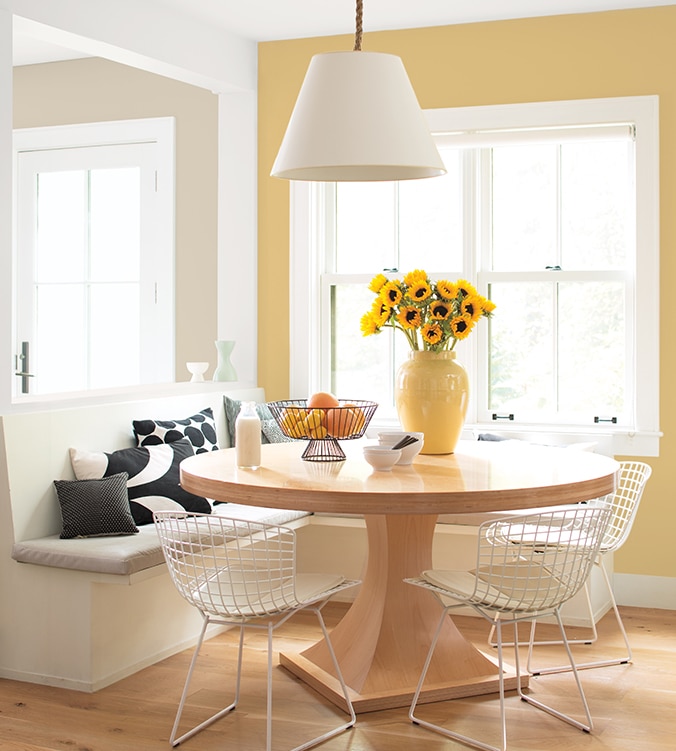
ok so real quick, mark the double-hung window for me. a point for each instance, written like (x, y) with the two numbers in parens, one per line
(550, 210)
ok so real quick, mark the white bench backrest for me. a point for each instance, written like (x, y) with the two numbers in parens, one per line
(36, 446)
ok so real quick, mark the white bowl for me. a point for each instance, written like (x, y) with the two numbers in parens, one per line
(408, 453)
(382, 458)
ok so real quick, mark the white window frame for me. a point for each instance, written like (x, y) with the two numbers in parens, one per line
(158, 246)
(306, 235)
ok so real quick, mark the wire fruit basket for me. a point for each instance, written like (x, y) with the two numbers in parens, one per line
(323, 426)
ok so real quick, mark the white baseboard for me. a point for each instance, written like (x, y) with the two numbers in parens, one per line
(645, 591)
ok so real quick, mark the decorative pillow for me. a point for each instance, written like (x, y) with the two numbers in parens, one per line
(94, 508)
(199, 429)
(270, 430)
(153, 483)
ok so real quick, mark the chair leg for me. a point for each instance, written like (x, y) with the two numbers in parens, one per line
(176, 741)
(555, 713)
(449, 733)
(350, 709)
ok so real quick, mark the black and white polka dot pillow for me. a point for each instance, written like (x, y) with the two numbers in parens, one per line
(199, 429)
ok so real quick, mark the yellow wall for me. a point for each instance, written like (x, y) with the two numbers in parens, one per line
(622, 53)
(93, 90)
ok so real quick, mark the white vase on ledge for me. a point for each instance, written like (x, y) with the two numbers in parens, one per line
(224, 368)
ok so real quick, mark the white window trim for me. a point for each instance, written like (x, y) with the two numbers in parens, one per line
(160, 131)
(305, 310)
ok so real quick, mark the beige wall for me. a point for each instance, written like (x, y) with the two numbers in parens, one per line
(93, 90)
(622, 53)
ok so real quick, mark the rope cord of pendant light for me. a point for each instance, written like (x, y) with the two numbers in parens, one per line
(359, 31)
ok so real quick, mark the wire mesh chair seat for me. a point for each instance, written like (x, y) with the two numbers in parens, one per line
(241, 573)
(513, 581)
(624, 503)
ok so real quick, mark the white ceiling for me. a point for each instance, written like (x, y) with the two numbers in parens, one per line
(265, 20)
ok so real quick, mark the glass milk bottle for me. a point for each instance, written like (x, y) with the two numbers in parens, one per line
(248, 437)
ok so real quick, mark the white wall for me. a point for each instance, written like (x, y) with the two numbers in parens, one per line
(138, 33)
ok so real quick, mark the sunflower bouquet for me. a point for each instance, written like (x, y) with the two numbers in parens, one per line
(432, 315)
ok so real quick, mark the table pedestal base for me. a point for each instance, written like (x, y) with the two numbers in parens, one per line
(325, 684)
(382, 641)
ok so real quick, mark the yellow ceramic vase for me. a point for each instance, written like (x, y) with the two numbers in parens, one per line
(431, 394)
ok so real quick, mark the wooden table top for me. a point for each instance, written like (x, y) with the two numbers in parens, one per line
(480, 476)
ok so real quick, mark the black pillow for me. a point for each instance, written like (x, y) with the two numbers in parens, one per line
(153, 483)
(199, 429)
(94, 508)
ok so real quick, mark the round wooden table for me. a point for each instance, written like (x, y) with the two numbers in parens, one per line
(382, 640)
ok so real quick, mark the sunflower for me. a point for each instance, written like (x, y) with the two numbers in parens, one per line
(471, 306)
(465, 288)
(461, 326)
(391, 293)
(447, 290)
(432, 333)
(419, 292)
(409, 317)
(488, 306)
(377, 283)
(440, 311)
(368, 325)
(413, 277)
(380, 312)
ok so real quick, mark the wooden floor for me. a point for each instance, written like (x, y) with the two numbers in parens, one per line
(632, 705)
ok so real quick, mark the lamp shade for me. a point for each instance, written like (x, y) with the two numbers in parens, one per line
(357, 119)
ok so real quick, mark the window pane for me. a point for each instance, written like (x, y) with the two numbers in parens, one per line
(362, 366)
(524, 207)
(430, 219)
(592, 336)
(365, 227)
(114, 353)
(59, 359)
(61, 226)
(595, 204)
(521, 350)
(115, 208)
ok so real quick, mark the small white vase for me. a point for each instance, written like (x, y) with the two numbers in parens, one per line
(224, 368)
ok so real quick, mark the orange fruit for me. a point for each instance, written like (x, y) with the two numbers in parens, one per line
(322, 399)
(344, 421)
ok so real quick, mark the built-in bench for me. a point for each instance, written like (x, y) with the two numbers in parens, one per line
(85, 612)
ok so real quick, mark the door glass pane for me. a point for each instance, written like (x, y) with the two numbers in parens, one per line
(521, 350)
(61, 226)
(592, 341)
(115, 214)
(365, 227)
(114, 339)
(524, 207)
(595, 204)
(59, 361)
(430, 220)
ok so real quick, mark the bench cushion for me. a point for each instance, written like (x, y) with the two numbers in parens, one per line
(128, 554)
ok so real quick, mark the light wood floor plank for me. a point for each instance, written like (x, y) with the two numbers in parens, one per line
(632, 705)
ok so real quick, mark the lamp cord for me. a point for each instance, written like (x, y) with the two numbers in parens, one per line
(358, 33)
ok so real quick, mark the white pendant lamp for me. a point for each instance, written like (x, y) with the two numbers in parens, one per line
(357, 119)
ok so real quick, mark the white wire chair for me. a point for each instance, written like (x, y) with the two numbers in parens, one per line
(242, 573)
(624, 503)
(518, 579)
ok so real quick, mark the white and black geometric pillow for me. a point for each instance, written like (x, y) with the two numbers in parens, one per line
(199, 429)
(94, 508)
(153, 471)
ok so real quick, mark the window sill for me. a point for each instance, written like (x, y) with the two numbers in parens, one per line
(609, 442)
